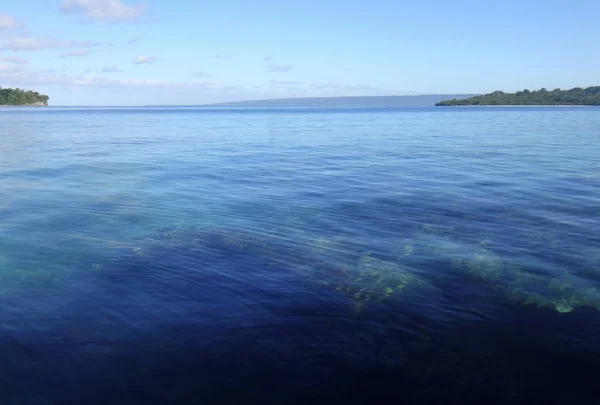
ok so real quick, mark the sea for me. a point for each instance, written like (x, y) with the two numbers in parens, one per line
(299, 255)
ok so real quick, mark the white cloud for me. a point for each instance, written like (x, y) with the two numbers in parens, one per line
(75, 54)
(38, 43)
(142, 60)
(133, 41)
(111, 69)
(279, 68)
(268, 58)
(104, 10)
(7, 21)
(14, 60)
(200, 74)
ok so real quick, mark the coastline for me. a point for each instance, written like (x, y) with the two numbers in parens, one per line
(24, 105)
(522, 105)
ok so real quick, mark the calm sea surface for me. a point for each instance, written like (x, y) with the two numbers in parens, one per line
(283, 256)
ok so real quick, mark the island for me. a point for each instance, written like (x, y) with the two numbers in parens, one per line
(18, 97)
(576, 96)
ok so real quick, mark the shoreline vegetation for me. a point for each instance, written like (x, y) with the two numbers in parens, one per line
(577, 96)
(25, 98)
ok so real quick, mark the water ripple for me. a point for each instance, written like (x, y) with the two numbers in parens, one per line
(445, 254)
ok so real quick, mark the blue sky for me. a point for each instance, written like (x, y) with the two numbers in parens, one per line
(125, 52)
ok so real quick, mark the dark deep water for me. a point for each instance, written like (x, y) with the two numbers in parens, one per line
(198, 256)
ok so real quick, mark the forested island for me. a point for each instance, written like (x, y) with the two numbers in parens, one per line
(22, 97)
(575, 96)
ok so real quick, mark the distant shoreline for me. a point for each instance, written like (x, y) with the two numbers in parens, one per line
(22, 105)
(290, 108)
(521, 106)
(577, 96)
(423, 100)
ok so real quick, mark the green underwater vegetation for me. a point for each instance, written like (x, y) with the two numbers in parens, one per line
(482, 264)
(561, 296)
(374, 279)
(18, 275)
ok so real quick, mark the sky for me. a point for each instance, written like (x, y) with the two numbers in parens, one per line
(127, 52)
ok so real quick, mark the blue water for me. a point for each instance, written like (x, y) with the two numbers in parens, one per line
(197, 256)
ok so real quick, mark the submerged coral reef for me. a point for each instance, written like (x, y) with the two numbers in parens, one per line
(365, 277)
(364, 274)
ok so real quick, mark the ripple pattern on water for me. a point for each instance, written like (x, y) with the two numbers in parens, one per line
(446, 253)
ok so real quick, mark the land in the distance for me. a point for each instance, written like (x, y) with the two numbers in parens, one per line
(428, 100)
(22, 98)
(575, 96)
(589, 96)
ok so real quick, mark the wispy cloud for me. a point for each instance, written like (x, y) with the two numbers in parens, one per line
(104, 10)
(50, 71)
(268, 58)
(277, 83)
(200, 74)
(75, 54)
(337, 89)
(14, 60)
(39, 43)
(52, 77)
(142, 60)
(279, 68)
(133, 41)
(342, 87)
(8, 69)
(111, 69)
(7, 21)
(221, 56)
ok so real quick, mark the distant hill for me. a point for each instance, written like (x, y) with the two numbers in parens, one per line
(343, 102)
(576, 96)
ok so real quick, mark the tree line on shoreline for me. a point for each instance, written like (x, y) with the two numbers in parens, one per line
(22, 97)
(574, 96)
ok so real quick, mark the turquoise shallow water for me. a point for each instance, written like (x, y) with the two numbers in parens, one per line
(150, 255)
